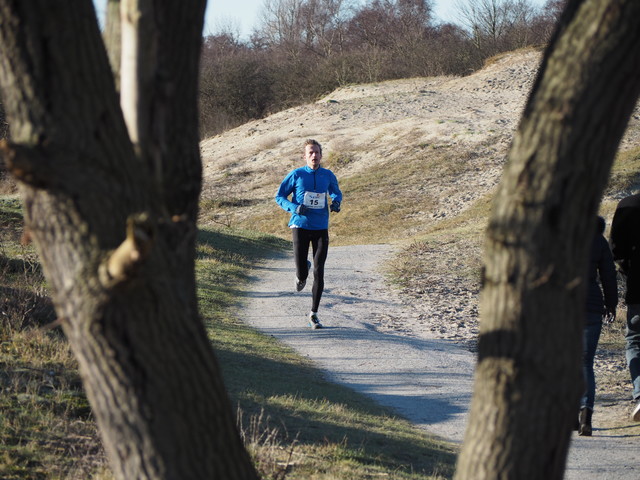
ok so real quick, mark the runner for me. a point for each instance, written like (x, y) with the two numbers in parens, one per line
(310, 188)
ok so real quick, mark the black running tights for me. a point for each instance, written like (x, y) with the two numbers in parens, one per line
(319, 240)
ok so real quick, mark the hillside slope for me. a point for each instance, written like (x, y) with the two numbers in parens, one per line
(408, 153)
(418, 150)
(418, 161)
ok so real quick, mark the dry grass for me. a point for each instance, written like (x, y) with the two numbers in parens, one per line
(392, 201)
(7, 184)
(46, 427)
(412, 181)
(295, 424)
(294, 421)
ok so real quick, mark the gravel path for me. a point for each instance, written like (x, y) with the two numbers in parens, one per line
(425, 379)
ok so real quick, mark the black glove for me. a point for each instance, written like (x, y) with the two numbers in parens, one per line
(301, 210)
(335, 206)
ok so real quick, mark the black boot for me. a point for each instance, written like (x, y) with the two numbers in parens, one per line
(585, 422)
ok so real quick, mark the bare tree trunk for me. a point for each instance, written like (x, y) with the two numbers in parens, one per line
(115, 228)
(528, 378)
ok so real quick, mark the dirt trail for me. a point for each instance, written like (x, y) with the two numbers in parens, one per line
(425, 379)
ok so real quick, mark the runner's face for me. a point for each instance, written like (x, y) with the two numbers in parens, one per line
(312, 156)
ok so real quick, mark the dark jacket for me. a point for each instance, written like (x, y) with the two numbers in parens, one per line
(602, 268)
(625, 244)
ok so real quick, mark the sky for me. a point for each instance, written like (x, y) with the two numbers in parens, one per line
(243, 15)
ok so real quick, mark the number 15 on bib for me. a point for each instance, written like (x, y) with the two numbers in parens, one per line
(315, 200)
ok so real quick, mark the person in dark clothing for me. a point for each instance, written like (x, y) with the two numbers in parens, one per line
(625, 245)
(602, 271)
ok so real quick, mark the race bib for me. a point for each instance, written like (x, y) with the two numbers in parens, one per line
(314, 200)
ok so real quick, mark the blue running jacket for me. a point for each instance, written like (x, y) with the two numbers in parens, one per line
(310, 188)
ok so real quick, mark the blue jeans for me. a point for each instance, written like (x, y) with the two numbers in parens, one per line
(592, 329)
(632, 336)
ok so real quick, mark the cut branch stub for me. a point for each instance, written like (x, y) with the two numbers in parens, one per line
(125, 261)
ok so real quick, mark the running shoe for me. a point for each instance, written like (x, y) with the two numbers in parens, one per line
(301, 283)
(314, 322)
(635, 415)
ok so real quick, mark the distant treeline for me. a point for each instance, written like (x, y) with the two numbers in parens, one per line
(304, 49)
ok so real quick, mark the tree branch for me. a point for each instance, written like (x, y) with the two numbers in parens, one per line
(28, 164)
(126, 260)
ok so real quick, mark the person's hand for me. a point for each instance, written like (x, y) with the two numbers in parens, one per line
(301, 210)
(335, 206)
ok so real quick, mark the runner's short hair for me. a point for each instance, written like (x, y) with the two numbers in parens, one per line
(311, 141)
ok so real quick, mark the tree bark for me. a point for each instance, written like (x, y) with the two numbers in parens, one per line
(115, 228)
(528, 379)
(112, 35)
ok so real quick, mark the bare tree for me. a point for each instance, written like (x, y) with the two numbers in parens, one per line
(112, 208)
(326, 20)
(371, 23)
(497, 25)
(411, 28)
(520, 33)
(283, 24)
(554, 8)
(484, 19)
(314, 27)
(545, 22)
(528, 378)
